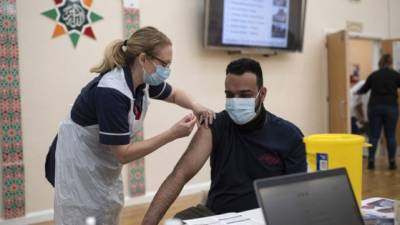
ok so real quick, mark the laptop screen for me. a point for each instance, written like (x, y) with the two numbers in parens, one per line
(320, 198)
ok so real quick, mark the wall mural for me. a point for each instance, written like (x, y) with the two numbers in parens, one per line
(136, 176)
(13, 187)
(73, 17)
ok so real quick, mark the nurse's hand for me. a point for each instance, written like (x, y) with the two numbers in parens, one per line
(204, 115)
(183, 127)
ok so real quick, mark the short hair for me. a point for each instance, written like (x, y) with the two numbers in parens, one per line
(243, 65)
(385, 61)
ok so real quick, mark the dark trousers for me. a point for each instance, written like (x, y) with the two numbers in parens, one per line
(354, 128)
(383, 116)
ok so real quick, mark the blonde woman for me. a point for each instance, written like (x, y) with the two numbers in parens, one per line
(85, 159)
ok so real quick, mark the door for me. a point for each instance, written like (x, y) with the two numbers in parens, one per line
(338, 82)
(361, 56)
(392, 47)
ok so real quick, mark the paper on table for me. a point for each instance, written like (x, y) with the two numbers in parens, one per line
(397, 212)
(223, 219)
(381, 208)
(255, 214)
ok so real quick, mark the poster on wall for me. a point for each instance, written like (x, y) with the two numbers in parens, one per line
(131, 4)
(74, 18)
(396, 56)
(136, 175)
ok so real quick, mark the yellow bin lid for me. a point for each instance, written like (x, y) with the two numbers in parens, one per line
(334, 139)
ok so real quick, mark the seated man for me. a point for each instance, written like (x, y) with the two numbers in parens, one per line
(245, 143)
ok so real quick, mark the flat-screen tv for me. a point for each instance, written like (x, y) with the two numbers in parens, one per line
(255, 25)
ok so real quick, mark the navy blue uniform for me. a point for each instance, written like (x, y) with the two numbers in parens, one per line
(267, 146)
(108, 103)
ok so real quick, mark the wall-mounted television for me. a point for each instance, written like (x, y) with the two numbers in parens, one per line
(255, 25)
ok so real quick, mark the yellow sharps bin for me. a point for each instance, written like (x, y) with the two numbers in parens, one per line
(328, 151)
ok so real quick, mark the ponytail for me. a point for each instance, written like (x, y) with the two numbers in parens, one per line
(121, 53)
(114, 56)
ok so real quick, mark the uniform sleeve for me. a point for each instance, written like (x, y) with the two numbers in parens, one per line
(112, 112)
(295, 161)
(161, 91)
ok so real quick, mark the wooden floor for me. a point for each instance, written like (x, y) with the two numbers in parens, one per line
(380, 182)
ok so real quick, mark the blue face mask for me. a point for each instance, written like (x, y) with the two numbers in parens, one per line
(158, 77)
(241, 110)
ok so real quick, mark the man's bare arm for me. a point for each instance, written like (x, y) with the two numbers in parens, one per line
(188, 165)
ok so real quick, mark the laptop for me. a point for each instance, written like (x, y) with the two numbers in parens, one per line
(320, 198)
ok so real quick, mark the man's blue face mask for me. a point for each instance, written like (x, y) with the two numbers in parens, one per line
(158, 77)
(241, 110)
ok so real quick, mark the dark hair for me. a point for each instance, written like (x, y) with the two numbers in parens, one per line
(385, 61)
(243, 65)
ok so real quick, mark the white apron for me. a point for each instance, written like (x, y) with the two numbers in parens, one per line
(88, 177)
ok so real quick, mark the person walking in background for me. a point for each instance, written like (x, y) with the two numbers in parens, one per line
(382, 108)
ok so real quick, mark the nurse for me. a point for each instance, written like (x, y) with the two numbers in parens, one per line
(85, 160)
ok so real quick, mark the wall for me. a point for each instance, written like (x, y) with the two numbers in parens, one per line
(52, 73)
(393, 8)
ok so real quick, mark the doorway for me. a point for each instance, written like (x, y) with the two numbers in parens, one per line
(349, 55)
